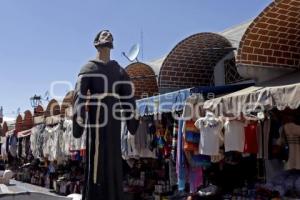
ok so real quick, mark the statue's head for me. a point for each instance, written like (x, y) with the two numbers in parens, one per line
(104, 39)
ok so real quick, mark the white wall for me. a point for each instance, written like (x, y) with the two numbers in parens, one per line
(219, 70)
(260, 74)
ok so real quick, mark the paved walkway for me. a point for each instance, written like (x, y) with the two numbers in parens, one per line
(23, 191)
(17, 187)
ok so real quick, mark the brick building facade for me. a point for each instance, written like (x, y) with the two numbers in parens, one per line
(272, 41)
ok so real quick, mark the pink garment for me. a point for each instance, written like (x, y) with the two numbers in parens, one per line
(195, 178)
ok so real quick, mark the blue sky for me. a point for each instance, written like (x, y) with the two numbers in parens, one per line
(42, 41)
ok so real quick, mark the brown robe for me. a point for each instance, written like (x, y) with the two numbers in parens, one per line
(103, 169)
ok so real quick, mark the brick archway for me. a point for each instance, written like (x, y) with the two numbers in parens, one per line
(67, 102)
(273, 38)
(38, 111)
(53, 108)
(143, 78)
(192, 61)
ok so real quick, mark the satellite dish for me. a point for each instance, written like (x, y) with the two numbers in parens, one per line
(133, 53)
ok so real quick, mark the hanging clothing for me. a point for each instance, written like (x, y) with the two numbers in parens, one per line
(141, 136)
(263, 137)
(3, 149)
(42, 142)
(180, 161)
(7, 144)
(174, 142)
(195, 178)
(13, 145)
(292, 132)
(132, 151)
(210, 134)
(67, 136)
(23, 154)
(75, 143)
(277, 141)
(19, 149)
(193, 166)
(251, 145)
(103, 169)
(234, 135)
(191, 136)
(36, 140)
(124, 137)
(27, 147)
(52, 148)
(83, 144)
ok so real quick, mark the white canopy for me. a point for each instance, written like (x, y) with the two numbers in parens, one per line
(280, 93)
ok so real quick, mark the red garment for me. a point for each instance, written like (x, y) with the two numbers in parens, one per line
(251, 144)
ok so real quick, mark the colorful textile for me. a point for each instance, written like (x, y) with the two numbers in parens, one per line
(174, 142)
(180, 162)
(191, 136)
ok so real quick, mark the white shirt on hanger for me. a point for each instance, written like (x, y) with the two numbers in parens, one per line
(210, 134)
(234, 135)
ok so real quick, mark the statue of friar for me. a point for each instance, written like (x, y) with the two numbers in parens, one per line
(103, 89)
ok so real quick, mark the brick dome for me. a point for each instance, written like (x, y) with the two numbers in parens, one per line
(19, 123)
(27, 121)
(273, 38)
(38, 111)
(143, 78)
(192, 61)
(67, 102)
(4, 129)
(53, 108)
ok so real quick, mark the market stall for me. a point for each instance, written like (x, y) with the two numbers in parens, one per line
(42, 150)
(159, 135)
(256, 140)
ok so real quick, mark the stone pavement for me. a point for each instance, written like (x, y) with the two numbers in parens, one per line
(24, 191)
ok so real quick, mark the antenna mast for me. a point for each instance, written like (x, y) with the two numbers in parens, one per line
(142, 44)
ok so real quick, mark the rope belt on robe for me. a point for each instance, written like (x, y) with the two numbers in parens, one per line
(99, 98)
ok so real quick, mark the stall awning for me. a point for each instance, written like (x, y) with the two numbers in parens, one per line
(281, 93)
(209, 91)
(174, 101)
(11, 132)
(162, 103)
(24, 133)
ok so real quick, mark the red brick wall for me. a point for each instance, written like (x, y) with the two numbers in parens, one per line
(143, 78)
(192, 61)
(273, 39)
